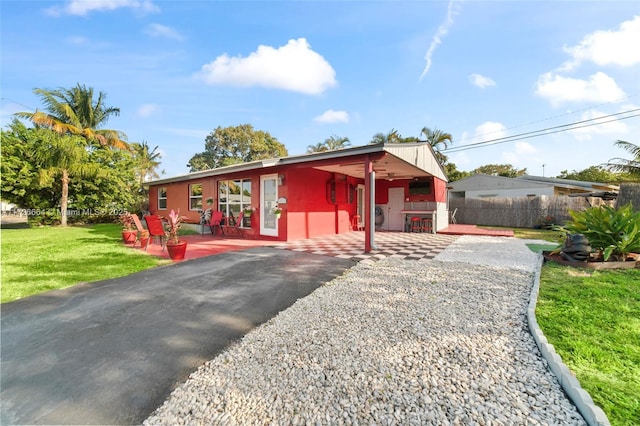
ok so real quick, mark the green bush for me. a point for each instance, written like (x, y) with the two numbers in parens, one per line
(614, 233)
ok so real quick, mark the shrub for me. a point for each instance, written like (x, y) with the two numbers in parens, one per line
(614, 233)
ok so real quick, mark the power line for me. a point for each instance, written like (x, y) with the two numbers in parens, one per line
(555, 116)
(546, 131)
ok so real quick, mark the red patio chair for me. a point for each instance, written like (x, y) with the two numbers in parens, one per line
(139, 227)
(228, 228)
(155, 228)
(215, 222)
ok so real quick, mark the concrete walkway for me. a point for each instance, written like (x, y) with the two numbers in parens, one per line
(110, 352)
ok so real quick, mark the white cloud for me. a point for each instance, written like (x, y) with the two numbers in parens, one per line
(146, 110)
(481, 81)
(442, 31)
(520, 155)
(524, 148)
(331, 116)
(558, 89)
(295, 67)
(158, 30)
(608, 47)
(606, 126)
(84, 7)
(489, 130)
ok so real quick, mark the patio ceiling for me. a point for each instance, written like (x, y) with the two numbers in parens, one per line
(388, 167)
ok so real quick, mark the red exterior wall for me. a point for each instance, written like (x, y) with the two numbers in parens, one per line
(309, 212)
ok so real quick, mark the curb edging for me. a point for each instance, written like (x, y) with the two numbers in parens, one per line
(593, 415)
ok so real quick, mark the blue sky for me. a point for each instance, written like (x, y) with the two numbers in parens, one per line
(304, 71)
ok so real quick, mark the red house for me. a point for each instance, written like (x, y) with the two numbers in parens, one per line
(379, 186)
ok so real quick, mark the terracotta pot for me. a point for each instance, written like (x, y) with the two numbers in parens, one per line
(129, 237)
(144, 241)
(177, 251)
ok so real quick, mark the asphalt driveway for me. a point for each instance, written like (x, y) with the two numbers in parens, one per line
(110, 352)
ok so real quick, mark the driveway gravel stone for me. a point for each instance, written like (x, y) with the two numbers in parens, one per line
(441, 341)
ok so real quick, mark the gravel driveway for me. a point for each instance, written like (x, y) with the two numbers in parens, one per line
(441, 341)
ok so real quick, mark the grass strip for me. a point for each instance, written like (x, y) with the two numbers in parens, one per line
(592, 318)
(46, 258)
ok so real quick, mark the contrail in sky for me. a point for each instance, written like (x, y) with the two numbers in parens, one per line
(443, 29)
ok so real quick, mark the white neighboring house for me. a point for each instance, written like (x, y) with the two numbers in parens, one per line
(486, 186)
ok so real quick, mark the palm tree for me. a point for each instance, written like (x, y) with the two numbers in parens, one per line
(336, 142)
(146, 162)
(623, 165)
(73, 111)
(319, 147)
(64, 156)
(437, 138)
(392, 137)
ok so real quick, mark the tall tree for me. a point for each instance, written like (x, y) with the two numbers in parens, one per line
(236, 144)
(505, 170)
(391, 137)
(146, 162)
(319, 147)
(330, 144)
(32, 181)
(438, 140)
(593, 174)
(336, 142)
(74, 111)
(632, 166)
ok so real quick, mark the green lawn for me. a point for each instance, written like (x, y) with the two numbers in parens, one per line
(45, 258)
(592, 318)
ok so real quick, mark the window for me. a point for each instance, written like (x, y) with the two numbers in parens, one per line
(420, 187)
(195, 196)
(162, 198)
(233, 197)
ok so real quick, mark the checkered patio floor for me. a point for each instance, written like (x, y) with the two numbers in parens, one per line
(405, 245)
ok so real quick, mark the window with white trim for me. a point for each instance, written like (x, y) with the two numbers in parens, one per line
(162, 198)
(234, 196)
(195, 196)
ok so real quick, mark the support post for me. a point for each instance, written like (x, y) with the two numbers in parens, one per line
(369, 205)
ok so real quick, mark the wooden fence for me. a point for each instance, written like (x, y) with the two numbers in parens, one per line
(522, 212)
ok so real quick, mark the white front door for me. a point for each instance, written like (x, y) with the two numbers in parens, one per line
(268, 200)
(394, 209)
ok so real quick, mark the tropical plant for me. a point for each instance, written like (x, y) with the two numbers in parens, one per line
(336, 142)
(100, 181)
(146, 162)
(319, 147)
(127, 222)
(70, 113)
(174, 223)
(614, 233)
(391, 137)
(74, 111)
(436, 138)
(330, 144)
(623, 165)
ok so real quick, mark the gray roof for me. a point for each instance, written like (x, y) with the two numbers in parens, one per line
(417, 159)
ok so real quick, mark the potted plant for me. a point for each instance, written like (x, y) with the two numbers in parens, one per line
(175, 247)
(247, 212)
(277, 211)
(129, 232)
(209, 201)
(144, 239)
